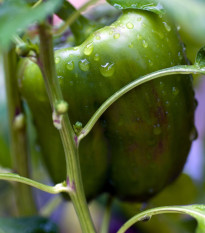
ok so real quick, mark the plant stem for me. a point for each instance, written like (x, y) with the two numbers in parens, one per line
(46, 188)
(74, 180)
(18, 137)
(184, 69)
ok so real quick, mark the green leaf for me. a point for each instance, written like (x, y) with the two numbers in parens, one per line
(149, 5)
(189, 14)
(27, 225)
(16, 16)
(195, 211)
(200, 58)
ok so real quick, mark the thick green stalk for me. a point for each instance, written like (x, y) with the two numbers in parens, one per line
(74, 180)
(18, 137)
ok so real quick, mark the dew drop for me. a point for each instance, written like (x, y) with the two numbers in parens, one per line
(145, 44)
(96, 57)
(157, 129)
(184, 48)
(111, 32)
(88, 49)
(175, 91)
(116, 36)
(84, 65)
(150, 63)
(180, 56)
(98, 37)
(129, 25)
(146, 218)
(161, 84)
(193, 134)
(139, 19)
(167, 103)
(118, 6)
(57, 60)
(60, 77)
(178, 28)
(70, 65)
(75, 48)
(139, 37)
(107, 70)
(167, 27)
(131, 45)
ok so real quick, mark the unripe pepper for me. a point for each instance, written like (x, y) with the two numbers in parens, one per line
(144, 138)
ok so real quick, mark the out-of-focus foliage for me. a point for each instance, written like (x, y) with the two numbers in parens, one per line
(16, 16)
(190, 15)
(27, 225)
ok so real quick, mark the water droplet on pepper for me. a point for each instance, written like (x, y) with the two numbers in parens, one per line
(145, 44)
(57, 60)
(107, 70)
(167, 27)
(70, 65)
(116, 36)
(84, 65)
(96, 57)
(88, 49)
(129, 25)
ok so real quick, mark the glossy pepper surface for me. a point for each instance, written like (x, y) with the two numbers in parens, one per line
(142, 141)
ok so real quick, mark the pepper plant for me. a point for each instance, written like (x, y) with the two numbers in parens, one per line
(113, 108)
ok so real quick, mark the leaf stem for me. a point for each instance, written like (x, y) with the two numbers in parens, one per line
(146, 215)
(69, 139)
(184, 69)
(46, 188)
